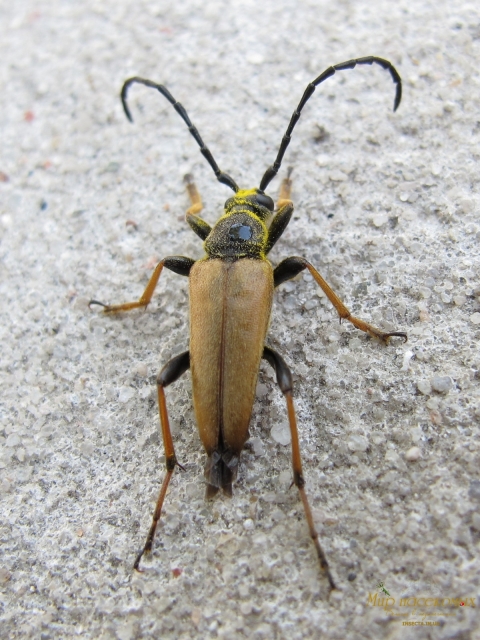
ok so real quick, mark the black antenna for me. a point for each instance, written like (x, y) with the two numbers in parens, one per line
(272, 171)
(224, 178)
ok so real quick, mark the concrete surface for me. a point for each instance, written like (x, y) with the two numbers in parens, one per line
(386, 208)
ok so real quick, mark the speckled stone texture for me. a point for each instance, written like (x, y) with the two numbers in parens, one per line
(387, 210)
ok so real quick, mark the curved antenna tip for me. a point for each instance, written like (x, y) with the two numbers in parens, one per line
(398, 97)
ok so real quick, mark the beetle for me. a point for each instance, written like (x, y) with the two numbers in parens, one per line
(231, 291)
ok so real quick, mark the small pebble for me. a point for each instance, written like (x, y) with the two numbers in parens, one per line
(13, 440)
(257, 446)
(441, 384)
(407, 356)
(424, 316)
(246, 608)
(141, 369)
(126, 394)
(475, 318)
(281, 433)
(413, 454)
(249, 525)
(262, 390)
(357, 443)
(424, 387)
(379, 220)
(337, 176)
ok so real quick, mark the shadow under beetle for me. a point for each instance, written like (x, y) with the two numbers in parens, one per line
(231, 291)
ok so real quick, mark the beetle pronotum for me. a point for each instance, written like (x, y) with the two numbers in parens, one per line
(231, 291)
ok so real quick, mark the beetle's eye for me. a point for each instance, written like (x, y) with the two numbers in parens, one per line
(264, 201)
(240, 231)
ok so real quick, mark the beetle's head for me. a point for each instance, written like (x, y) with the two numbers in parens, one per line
(252, 200)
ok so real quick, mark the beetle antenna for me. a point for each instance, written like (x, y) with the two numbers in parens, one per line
(224, 178)
(272, 171)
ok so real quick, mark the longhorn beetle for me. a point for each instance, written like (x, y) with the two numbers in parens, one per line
(231, 291)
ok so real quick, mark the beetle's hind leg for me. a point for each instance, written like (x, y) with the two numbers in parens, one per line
(201, 228)
(170, 372)
(285, 382)
(290, 267)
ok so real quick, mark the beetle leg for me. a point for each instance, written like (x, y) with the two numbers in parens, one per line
(170, 372)
(283, 215)
(285, 190)
(178, 264)
(279, 224)
(290, 267)
(285, 382)
(199, 226)
(195, 199)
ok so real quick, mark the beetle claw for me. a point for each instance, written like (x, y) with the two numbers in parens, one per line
(136, 564)
(101, 304)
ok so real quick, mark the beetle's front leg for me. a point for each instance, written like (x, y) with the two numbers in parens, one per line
(285, 190)
(284, 213)
(290, 267)
(178, 264)
(170, 372)
(285, 382)
(198, 225)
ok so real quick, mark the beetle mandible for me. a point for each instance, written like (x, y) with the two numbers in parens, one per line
(231, 291)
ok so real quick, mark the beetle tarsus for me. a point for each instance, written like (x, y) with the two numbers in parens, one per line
(398, 334)
(136, 564)
(101, 304)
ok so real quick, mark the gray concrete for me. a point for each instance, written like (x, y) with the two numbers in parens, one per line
(386, 208)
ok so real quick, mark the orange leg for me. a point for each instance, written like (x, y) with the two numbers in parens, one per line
(193, 194)
(345, 314)
(201, 228)
(178, 264)
(285, 190)
(290, 267)
(170, 372)
(284, 380)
